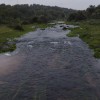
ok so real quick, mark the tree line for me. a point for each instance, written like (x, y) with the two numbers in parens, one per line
(92, 12)
(26, 14)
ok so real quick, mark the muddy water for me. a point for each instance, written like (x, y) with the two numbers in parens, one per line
(47, 65)
(9, 64)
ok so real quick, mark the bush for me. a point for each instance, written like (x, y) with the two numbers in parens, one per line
(25, 23)
(18, 27)
(97, 54)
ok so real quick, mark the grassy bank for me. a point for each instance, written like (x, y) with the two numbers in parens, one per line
(89, 31)
(7, 35)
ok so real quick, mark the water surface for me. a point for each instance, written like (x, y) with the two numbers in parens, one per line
(48, 65)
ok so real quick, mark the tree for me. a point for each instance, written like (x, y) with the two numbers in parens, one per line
(90, 10)
(77, 16)
(32, 13)
(43, 19)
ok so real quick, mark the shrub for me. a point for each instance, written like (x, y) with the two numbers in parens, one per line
(18, 27)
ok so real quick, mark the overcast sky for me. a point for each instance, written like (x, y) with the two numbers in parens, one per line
(75, 4)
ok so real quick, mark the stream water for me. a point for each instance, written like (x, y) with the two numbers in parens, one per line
(48, 65)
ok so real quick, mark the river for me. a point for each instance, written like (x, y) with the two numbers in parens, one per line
(48, 65)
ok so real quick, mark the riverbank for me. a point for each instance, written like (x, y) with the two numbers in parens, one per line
(8, 35)
(89, 31)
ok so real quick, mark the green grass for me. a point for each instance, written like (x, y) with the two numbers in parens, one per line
(8, 34)
(89, 31)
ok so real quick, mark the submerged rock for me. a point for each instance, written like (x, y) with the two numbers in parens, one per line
(65, 28)
(42, 28)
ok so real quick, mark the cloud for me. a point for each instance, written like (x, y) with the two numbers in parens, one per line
(75, 4)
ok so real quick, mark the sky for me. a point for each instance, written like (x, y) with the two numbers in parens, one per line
(74, 4)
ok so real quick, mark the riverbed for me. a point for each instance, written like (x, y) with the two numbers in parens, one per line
(48, 65)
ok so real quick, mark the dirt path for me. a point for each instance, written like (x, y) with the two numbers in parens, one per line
(49, 66)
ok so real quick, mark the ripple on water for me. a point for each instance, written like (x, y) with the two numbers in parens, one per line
(30, 46)
(7, 54)
(54, 43)
(69, 43)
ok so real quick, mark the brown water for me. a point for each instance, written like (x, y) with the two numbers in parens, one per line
(8, 64)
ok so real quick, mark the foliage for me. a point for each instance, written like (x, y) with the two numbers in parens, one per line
(25, 14)
(89, 31)
(77, 16)
(91, 12)
(8, 35)
(89, 20)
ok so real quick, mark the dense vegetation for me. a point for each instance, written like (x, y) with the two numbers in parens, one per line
(16, 20)
(26, 14)
(89, 30)
(91, 12)
(19, 19)
(8, 35)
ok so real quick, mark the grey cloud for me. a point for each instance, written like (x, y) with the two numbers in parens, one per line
(75, 4)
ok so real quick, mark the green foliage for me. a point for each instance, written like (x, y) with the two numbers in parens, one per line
(4, 47)
(76, 16)
(34, 20)
(31, 13)
(40, 19)
(90, 33)
(74, 32)
(8, 35)
(18, 27)
(97, 52)
(91, 12)
(17, 20)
